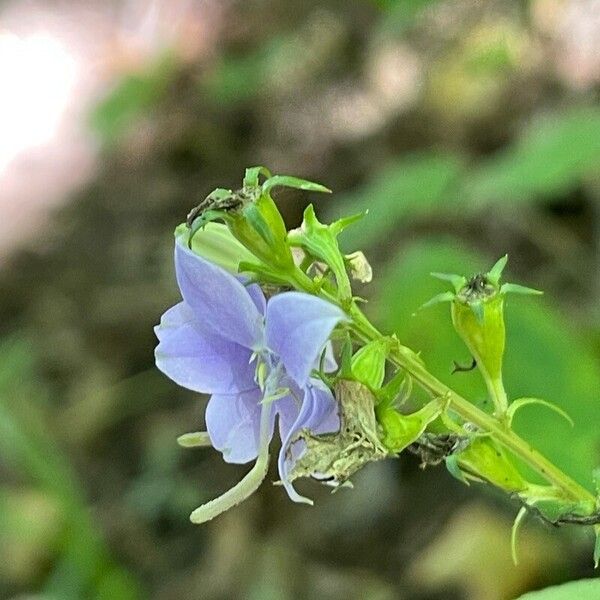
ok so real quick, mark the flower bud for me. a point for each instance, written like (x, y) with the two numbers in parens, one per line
(484, 459)
(399, 431)
(217, 244)
(478, 317)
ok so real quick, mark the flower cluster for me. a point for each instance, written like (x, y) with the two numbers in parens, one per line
(259, 311)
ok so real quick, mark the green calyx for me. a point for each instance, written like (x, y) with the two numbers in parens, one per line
(320, 242)
(477, 308)
(252, 216)
(368, 364)
(401, 430)
(485, 460)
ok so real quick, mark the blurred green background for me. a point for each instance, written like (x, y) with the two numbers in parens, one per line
(468, 129)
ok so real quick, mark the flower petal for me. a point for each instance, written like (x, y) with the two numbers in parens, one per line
(255, 293)
(200, 361)
(220, 302)
(297, 327)
(319, 414)
(233, 423)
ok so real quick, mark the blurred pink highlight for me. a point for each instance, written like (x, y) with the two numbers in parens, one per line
(56, 62)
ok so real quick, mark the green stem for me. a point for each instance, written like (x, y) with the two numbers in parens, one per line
(481, 419)
(498, 428)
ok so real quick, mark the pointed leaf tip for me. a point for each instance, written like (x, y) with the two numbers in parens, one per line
(495, 272)
(515, 288)
(457, 281)
(443, 297)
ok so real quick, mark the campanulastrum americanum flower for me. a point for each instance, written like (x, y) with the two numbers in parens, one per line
(255, 357)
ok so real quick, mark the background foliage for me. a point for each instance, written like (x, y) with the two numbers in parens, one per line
(454, 124)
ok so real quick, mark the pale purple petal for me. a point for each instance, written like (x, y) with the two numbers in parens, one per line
(288, 408)
(233, 424)
(297, 327)
(255, 293)
(329, 362)
(200, 361)
(319, 414)
(220, 302)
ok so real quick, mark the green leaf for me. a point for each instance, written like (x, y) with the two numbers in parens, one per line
(553, 155)
(252, 175)
(584, 589)
(521, 402)
(406, 190)
(293, 182)
(320, 241)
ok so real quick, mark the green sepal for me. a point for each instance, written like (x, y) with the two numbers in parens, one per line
(495, 272)
(478, 310)
(597, 546)
(293, 182)
(345, 370)
(480, 324)
(400, 431)
(395, 392)
(264, 273)
(596, 480)
(443, 297)
(252, 175)
(521, 402)
(454, 470)
(513, 533)
(320, 241)
(457, 281)
(253, 215)
(515, 288)
(368, 364)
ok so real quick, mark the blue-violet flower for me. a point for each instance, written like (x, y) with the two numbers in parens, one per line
(255, 358)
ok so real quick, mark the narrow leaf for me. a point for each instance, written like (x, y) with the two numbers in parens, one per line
(521, 402)
(513, 534)
(515, 288)
(443, 297)
(495, 272)
(293, 182)
(457, 281)
(252, 175)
